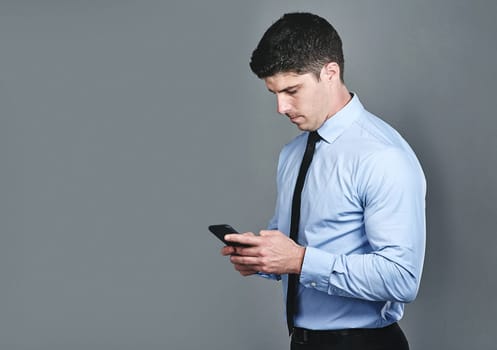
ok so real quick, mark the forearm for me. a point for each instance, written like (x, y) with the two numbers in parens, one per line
(375, 276)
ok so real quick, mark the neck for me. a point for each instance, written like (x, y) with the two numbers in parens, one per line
(340, 97)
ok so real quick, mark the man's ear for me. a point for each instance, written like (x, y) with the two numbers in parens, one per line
(330, 72)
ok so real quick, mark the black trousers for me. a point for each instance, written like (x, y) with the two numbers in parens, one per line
(388, 338)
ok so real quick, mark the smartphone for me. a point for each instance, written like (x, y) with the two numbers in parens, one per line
(221, 230)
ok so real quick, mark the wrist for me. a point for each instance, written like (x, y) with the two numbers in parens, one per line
(300, 253)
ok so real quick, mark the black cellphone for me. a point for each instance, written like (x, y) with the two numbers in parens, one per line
(221, 230)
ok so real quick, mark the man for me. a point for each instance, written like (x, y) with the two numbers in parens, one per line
(356, 218)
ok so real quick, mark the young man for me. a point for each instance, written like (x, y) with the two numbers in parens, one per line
(348, 234)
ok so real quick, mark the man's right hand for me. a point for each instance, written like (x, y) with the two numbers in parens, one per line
(272, 252)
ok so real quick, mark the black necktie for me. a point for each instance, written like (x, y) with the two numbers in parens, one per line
(293, 279)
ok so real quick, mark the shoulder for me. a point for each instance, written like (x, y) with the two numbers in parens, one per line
(374, 131)
(370, 139)
(378, 157)
(389, 172)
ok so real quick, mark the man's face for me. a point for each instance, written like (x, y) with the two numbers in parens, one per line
(302, 98)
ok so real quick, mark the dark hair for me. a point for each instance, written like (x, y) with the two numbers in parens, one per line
(300, 43)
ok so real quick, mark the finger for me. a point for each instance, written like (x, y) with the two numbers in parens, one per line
(228, 250)
(248, 234)
(245, 260)
(247, 251)
(245, 271)
(247, 239)
(244, 268)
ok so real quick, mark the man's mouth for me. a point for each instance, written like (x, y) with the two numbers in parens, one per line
(293, 118)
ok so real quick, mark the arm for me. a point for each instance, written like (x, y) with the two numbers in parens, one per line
(392, 193)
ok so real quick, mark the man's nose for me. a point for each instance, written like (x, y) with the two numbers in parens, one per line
(283, 105)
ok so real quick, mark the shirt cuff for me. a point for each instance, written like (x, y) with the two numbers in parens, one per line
(316, 269)
(269, 276)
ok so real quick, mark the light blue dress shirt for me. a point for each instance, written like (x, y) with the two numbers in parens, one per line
(362, 222)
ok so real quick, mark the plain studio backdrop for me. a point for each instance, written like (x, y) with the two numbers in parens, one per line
(128, 127)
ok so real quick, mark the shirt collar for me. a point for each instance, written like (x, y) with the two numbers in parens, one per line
(340, 121)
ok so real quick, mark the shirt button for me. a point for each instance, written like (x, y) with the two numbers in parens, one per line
(313, 284)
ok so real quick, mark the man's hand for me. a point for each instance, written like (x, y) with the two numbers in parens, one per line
(271, 252)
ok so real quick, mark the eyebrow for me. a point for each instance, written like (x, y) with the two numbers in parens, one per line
(286, 89)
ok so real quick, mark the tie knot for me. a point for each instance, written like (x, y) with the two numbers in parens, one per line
(313, 137)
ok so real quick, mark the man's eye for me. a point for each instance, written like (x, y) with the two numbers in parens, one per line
(292, 92)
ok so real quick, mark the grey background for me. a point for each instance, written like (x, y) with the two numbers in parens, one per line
(128, 127)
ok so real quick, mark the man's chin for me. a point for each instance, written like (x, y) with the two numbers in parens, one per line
(302, 127)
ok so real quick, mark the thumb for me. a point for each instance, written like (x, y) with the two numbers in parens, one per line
(248, 234)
